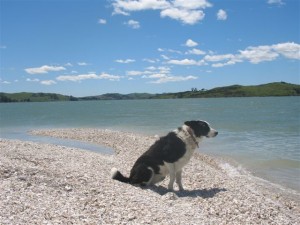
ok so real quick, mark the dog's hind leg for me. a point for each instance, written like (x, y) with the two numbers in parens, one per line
(178, 180)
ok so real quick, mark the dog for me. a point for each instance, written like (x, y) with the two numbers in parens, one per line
(167, 156)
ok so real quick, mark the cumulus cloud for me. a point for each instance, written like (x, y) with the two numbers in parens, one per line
(185, 16)
(215, 58)
(192, 4)
(252, 54)
(102, 21)
(133, 24)
(125, 6)
(289, 50)
(190, 43)
(186, 62)
(125, 61)
(195, 51)
(222, 15)
(5, 82)
(91, 76)
(32, 80)
(44, 69)
(278, 2)
(257, 54)
(48, 82)
(188, 12)
(166, 79)
(82, 64)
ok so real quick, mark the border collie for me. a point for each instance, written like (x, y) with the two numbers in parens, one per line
(167, 156)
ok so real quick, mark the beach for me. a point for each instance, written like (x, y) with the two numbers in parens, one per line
(53, 184)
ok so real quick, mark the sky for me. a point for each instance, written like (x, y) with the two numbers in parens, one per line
(92, 47)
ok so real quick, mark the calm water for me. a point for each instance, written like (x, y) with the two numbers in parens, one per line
(260, 134)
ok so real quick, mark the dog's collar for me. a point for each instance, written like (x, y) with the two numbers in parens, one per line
(190, 131)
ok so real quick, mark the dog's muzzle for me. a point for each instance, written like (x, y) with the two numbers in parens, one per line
(212, 133)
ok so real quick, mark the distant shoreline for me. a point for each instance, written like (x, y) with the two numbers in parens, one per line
(277, 89)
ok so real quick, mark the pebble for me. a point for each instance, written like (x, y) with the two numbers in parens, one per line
(73, 186)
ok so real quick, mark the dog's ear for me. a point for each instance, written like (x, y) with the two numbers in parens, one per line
(189, 123)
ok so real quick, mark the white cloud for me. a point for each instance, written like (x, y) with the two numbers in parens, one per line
(48, 82)
(69, 64)
(186, 62)
(278, 2)
(167, 79)
(158, 75)
(290, 50)
(110, 77)
(91, 76)
(44, 69)
(151, 60)
(134, 73)
(192, 4)
(102, 21)
(3, 47)
(258, 54)
(185, 16)
(149, 72)
(5, 82)
(165, 57)
(32, 80)
(222, 15)
(125, 6)
(190, 43)
(77, 77)
(133, 24)
(125, 60)
(195, 51)
(188, 12)
(82, 64)
(215, 58)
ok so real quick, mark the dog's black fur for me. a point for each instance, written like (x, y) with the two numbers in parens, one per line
(167, 155)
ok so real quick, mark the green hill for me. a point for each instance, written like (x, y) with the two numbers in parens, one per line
(34, 97)
(264, 90)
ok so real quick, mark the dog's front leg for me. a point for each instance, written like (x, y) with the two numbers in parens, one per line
(172, 176)
(178, 180)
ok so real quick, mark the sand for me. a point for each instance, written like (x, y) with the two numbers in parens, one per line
(52, 184)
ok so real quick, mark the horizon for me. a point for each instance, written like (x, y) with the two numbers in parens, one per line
(88, 48)
(190, 90)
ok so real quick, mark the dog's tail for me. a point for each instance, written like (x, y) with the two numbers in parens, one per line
(116, 175)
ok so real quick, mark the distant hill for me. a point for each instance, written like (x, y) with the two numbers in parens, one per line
(264, 90)
(117, 96)
(34, 97)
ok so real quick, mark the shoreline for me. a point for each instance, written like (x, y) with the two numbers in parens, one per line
(56, 184)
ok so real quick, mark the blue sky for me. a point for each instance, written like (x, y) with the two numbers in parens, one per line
(89, 47)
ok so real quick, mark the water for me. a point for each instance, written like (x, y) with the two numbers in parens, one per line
(260, 134)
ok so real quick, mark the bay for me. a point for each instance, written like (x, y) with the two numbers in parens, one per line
(261, 134)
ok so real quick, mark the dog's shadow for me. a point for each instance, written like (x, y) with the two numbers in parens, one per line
(203, 193)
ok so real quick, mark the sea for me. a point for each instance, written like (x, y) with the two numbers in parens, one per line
(257, 134)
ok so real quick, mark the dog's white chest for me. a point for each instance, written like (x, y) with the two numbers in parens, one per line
(184, 159)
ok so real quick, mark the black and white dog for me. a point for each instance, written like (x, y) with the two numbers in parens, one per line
(167, 156)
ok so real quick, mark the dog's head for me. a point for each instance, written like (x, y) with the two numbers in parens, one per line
(201, 128)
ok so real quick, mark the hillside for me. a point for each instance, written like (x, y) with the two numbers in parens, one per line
(34, 97)
(264, 90)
